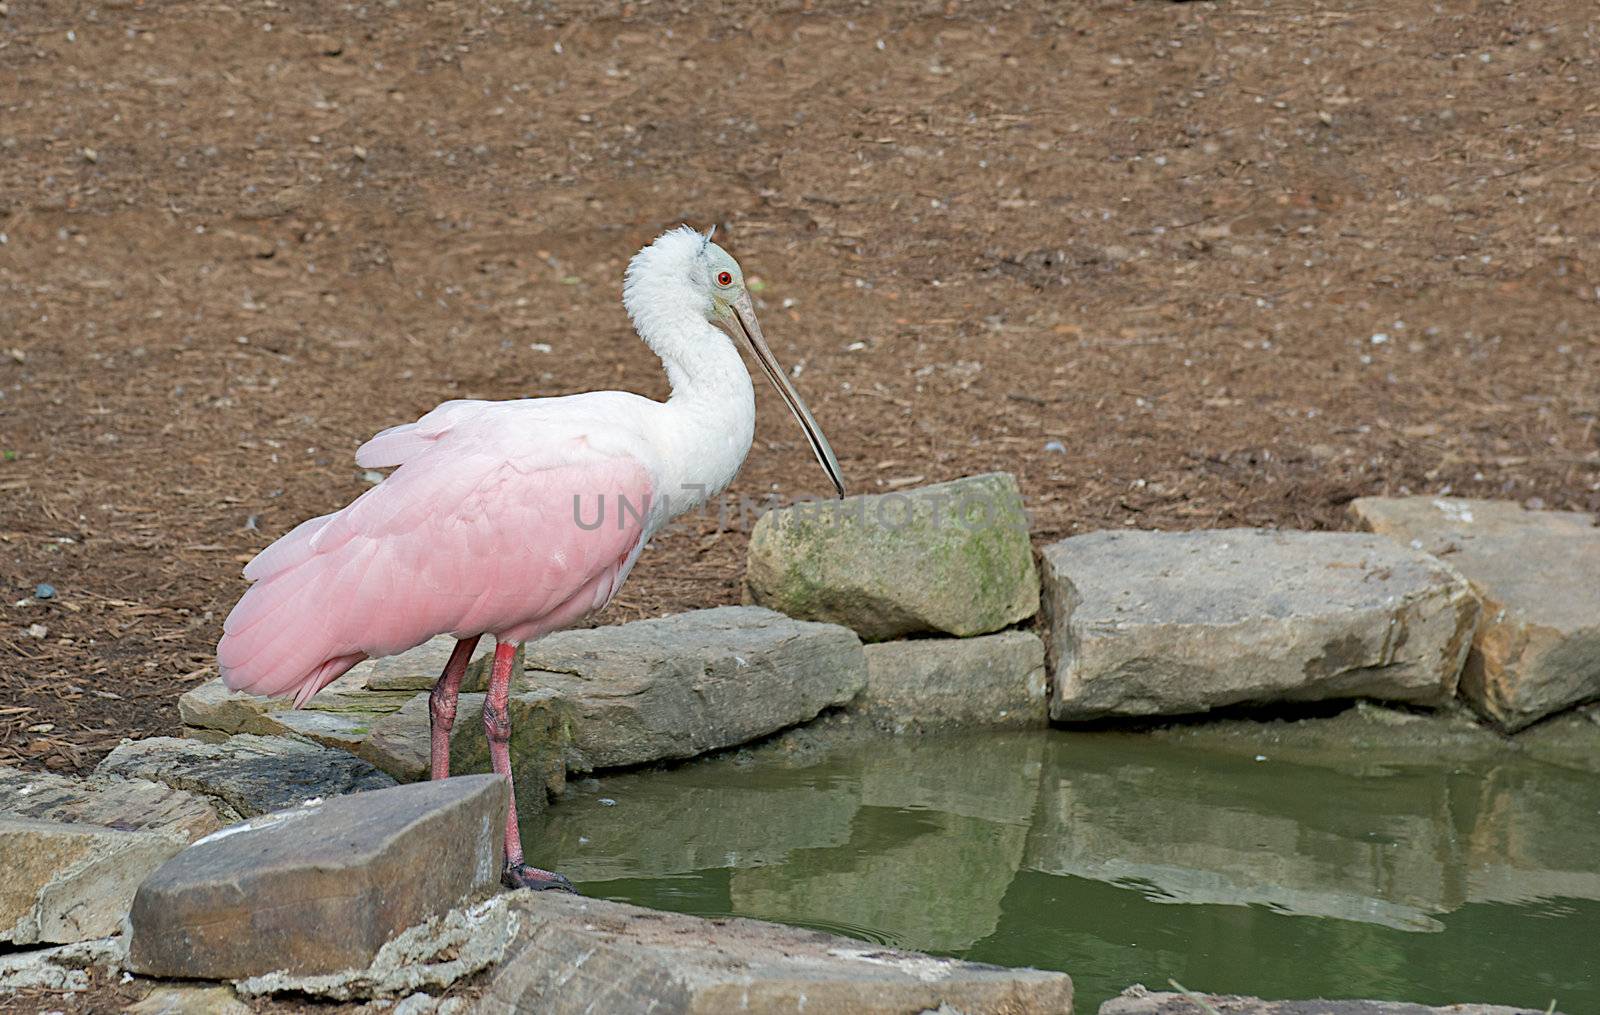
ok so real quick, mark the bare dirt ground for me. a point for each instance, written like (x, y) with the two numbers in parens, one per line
(1174, 265)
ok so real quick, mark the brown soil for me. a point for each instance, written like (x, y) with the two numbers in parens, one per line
(241, 237)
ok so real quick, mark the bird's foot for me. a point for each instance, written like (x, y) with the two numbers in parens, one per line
(522, 876)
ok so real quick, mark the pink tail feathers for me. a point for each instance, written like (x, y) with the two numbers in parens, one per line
(285, 636)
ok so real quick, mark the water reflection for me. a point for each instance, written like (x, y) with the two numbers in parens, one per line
(1120, 853)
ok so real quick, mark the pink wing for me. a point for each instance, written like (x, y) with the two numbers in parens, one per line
(488, 526)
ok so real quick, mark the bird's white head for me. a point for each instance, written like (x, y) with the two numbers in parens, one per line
(682, 276)
(681, 270)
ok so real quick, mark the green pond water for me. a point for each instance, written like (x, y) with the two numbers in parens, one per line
(1124, 858)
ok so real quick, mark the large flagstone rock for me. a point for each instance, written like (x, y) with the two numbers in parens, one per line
(952, 558)
(322, 887)
(1537, 650)
(587, 955)
(1166, 623)
(679, 686)
(65, 883)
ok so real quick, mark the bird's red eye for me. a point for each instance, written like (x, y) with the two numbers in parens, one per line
(724, 278)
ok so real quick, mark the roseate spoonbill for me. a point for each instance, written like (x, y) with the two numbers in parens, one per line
(488, 523)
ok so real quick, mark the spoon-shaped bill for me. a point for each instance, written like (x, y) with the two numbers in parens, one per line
(744, 321)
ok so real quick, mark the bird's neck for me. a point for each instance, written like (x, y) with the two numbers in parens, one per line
(708, 422)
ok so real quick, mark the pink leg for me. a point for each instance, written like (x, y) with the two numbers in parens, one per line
(497, 726)
(442, 707)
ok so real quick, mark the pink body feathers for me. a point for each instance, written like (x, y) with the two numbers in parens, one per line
(503, 518)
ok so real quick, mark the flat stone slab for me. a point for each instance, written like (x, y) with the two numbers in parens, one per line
(1537, 650)
(934, 683)
(952, 558)
(1168, 623)
(586, 955)
(320, 888)
(683, 685)
(541, 736)
(68, 883)
(106, 800)
(1139, 1001)
(246, 775)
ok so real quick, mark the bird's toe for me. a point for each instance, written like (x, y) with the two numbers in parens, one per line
(523, 876)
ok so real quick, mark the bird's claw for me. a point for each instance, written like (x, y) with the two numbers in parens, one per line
(523, 876)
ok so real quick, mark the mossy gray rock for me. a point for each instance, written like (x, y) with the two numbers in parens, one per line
(952, 558)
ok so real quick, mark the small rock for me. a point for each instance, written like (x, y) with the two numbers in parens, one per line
(1168, 623)
(62, 968)
(952, 558)
(990, 680)
(679, 686)
(176, 999)
(38, 631)
(246, 775)
(1138, 1000)
(574, 955)
(417, 1004)
(1537, 650)
(319, 889)
(325, 45)
(44, 590)
(66, 883)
